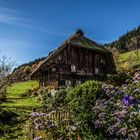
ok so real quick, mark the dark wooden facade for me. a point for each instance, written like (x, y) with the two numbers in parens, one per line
(76, 60)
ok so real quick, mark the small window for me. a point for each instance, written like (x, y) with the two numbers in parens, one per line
(73, 68)
(96, 71)
(60, 58)
(68, 83)
(54, 69)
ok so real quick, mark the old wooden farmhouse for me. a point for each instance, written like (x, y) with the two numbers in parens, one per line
(77, 59)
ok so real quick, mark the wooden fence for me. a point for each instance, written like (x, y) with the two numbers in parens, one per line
(58, 117)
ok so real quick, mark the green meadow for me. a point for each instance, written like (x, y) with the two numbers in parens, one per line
(129, 60)
(16, 109)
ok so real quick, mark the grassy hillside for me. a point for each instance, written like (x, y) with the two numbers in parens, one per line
(15, 91)
(129, 60)
(15, 110)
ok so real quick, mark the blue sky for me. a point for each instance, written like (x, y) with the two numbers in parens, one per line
(29, 29)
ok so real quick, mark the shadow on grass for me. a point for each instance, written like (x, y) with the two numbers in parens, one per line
(12, 121)
(16, 98)
(8, 117)
(9, 101)
(19, 107)
(10, 124)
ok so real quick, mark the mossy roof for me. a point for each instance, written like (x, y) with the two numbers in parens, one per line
(82, 41)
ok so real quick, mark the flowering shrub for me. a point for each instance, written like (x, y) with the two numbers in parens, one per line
(96, 111)
(111, 115)
(50, 126)
(52, 121)
(116, 114)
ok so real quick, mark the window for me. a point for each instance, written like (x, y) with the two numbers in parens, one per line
(54, 69)
(68, 83)
(96, 71)
(73, 68)
(60, 58)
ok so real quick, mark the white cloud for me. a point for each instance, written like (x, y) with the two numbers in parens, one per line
(13, 17)
(8, 10)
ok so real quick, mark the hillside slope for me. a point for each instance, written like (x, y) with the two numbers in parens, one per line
(15, 110)
(129, 60)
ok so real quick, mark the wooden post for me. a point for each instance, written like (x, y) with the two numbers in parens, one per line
(59, 116)
(56, 116)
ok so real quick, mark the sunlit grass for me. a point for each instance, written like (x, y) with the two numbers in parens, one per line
(18, 88)
(129, 59)
(14, 92)
(20, 105)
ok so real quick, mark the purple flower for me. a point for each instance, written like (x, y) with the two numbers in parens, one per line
(135, 81)
(39, 126)
(136, 91)
(111, 130)
(34, 114)
(137, 75)
(133, 134)
(43, 114)
(104, 86)
(38, 121)
(127, 100)
(120, 114)
(115, 129)
(98, 123)
(122, 132)
(102, 116)
(52, 126)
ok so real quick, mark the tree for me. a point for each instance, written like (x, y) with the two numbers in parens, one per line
(6, 66)
(136, 41)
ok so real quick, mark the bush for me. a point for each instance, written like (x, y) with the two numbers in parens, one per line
(52, 99)
(118, 79)
(45, 98)
(60, 98)
(104, 111)
(81, 101)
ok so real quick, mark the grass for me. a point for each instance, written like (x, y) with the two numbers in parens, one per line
(129, 60)
(14, 95)
(16, 109)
